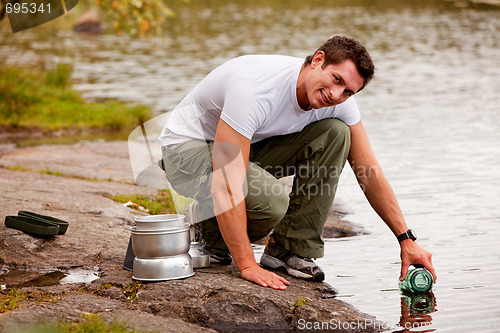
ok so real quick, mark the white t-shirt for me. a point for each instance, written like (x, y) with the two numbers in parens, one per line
(255, 95)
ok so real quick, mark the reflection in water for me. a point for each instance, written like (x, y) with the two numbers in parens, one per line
(38, 276)
(416, 309)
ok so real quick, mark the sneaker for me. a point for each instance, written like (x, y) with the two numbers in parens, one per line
(220, 258)
(218, 255)
(277, 257)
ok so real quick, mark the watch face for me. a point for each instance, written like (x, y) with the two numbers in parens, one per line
(412, 234)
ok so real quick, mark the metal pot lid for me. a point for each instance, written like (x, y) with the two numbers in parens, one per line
(135, 230)
(160, 218)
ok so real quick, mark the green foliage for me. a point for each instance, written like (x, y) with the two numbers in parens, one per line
(30, 98)
(89, 323)
(143, 18)
(161, 204)
(136, 17)
(58, 77)
(94, 323)
(130, 290)
(301, 300)
(10, 299)
(17, 167)
(50, 172)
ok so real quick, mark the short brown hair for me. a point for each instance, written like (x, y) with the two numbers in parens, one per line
(339, 49)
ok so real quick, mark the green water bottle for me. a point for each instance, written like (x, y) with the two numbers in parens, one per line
(417, 280)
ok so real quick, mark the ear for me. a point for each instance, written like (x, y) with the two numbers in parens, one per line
(318, 59)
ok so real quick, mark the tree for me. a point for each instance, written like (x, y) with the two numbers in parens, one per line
(2, 7)
(135, 17)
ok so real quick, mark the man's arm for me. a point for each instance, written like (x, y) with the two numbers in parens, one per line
(381, 197)
(230, 159)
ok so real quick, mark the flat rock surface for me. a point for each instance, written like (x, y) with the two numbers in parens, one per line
(76, 189)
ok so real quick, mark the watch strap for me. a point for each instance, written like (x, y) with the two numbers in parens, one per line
(405, 235)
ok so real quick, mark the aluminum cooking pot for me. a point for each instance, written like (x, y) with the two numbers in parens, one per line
(160, 222)
(162, 269)
(161, 243)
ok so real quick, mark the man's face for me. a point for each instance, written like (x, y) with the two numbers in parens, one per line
(333, 84)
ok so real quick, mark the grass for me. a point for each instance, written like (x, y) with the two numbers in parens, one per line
(48, 171)
(11, 299)
(18, 167)
(46, 101)
(129, 290)
(163, 203)
(89, 323)
(301, 300)
(93, 323)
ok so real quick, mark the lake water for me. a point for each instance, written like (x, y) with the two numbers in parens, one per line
(432, 113)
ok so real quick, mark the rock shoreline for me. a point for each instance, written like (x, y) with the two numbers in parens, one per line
(214, 299)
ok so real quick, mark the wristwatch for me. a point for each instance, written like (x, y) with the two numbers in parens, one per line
(408, 234)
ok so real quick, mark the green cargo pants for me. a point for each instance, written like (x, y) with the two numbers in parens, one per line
(315, 156)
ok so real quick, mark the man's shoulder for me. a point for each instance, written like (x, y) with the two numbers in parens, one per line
(263, 71)
(266, 57)
(250, 64)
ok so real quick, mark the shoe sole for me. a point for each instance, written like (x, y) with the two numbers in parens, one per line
(273, 263)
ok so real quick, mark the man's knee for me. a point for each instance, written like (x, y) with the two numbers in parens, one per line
(278, 205)
(269, 207)
(263, 217)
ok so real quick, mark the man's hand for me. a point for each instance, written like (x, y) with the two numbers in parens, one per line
(264, 277)
(412, 253)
